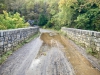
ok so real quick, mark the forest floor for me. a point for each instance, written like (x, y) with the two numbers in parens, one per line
(49, 54)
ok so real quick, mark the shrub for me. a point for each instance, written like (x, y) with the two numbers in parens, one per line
(9, 21)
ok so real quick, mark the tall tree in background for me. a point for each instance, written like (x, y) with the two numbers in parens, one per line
(2, 5)
(42, 20)
(83, 14)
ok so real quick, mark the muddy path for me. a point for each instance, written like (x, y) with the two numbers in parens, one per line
(50, 60)
(61, 57)
(49, 54)
(80, 64)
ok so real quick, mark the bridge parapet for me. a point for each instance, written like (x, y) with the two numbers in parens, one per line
(9, 39)
(87, 38)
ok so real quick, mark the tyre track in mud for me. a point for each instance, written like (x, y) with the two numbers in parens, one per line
(80, 64)
(51, 62)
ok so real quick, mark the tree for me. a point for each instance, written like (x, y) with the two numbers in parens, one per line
(57, 13)
(42, 20)
(9, 21)
(2, 5)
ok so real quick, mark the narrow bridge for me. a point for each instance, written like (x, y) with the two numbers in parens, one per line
(50, 54)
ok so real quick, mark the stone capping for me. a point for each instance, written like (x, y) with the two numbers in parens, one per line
(90, 39)
(10, 38)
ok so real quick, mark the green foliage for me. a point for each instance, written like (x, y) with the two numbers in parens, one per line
(5, 56)
(49, 25)
(93, 53)
(83, 14)
(89, 20)
(82, 21)
(42, 20)
(9, 21)
(2, 6)
(94, 16)
(80, 14)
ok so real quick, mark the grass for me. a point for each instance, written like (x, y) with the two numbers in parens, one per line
(62, 33)
(91, 52)
(4, 57)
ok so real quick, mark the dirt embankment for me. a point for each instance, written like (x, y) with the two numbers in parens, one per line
(80, 64)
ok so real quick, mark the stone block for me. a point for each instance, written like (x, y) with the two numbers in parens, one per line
(1, 43)
(9, 45)
(97, 34)
(1, 39)
(91, 33)
(96, 40)
(98, 44)
(1, 48)
(98, 48)
(1, 33)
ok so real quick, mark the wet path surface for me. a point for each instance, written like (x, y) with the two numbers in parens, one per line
(50, 62)
(49, 54)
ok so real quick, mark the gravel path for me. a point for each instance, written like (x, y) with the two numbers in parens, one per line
(21, 59)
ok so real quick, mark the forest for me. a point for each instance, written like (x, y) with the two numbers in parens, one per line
(80, 14)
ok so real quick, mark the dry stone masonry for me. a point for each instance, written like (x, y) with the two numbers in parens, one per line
(90, 39)
(11, 38)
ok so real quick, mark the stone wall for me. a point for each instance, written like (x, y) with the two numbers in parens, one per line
(9, 39)
(90, 39)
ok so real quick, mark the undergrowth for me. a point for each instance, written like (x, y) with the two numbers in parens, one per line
(93, 53)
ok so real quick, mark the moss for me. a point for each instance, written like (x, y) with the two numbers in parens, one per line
(5, 56)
